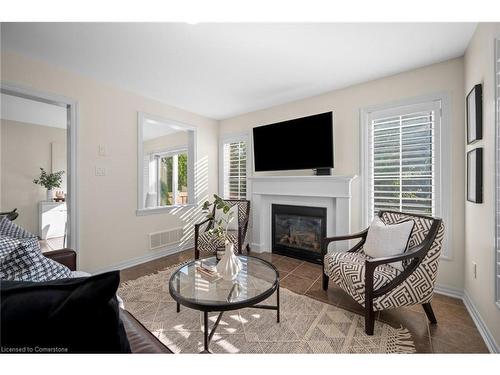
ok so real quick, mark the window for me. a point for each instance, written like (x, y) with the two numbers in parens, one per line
(234, 167)
(169, 177)
(404, 160)
(166, 164)
(497, 180)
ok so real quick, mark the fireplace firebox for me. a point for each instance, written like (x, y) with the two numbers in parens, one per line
(297, 231)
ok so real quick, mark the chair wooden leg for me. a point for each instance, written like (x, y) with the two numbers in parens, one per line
(369, 319)
(196, 252)
(430, 314)
(325, 281)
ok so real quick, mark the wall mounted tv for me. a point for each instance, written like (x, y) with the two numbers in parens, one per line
(303, 143)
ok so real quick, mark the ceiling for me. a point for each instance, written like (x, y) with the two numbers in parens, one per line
(222, 70)
(32, 112)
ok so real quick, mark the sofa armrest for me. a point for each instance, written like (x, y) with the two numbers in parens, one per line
(140, 339)
(66, 257)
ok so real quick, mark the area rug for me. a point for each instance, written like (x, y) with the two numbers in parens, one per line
(307, 325)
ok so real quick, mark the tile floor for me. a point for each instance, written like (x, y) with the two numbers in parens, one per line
(454, 333)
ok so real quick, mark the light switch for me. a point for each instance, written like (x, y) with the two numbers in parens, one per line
(100, 171)
(102, 150)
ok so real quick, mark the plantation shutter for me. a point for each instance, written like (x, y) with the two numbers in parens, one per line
(404, 159)
(235, 169)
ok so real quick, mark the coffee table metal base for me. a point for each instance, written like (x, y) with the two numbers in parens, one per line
(208, 334)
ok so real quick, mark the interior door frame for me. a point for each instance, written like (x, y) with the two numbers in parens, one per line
(73, 236)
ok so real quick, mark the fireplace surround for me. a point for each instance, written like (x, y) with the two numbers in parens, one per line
(332, 192)
(297, 231)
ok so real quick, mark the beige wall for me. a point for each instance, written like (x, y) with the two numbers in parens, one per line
(346, 104)
(110, 231)
(479, 218)
(24, 149)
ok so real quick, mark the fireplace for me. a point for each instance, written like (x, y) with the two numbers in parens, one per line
(297, 231)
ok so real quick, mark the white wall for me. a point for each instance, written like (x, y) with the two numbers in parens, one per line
(24, 149)
(110, 231)
(479, 218)
(346, 104)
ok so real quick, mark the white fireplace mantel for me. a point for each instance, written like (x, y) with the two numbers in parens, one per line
(331, 192)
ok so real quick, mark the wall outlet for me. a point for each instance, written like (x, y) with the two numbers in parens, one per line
(100, 171)
(474, 269)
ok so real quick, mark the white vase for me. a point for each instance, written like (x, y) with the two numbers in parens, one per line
(50, 195)
(229, 266)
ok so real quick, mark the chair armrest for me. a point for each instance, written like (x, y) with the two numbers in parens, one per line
(66, 257)
(362, 234)
(198, 225)
(414, 253)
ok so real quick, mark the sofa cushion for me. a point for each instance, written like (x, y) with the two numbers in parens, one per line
(8, 228)
(22, 260)
(78, 315)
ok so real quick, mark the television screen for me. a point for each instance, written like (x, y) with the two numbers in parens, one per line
(303, 143)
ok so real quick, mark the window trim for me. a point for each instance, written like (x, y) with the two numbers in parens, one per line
(192, 159)
(445, 161)
(496, 186)
(229, 138)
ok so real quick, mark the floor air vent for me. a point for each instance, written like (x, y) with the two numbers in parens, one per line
(165, 238)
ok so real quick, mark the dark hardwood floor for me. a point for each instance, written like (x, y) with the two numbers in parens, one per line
(454, 333)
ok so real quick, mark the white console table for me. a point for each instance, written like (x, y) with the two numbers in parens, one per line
(52, 218)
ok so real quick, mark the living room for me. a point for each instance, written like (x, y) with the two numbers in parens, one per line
(245, 190)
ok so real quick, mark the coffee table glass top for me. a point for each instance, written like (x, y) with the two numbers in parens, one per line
(256, 278)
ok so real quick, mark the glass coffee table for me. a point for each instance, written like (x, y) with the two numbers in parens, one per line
(257, 281)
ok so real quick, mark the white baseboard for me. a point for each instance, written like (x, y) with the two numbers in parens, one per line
(449, 291)
(169, 250)
(488, 338)
(485, 333)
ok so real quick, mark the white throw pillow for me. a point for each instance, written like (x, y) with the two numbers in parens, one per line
(233, 225)
(388, 240)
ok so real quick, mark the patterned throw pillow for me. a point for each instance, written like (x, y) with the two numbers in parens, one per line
(22, 260)
(8, 228)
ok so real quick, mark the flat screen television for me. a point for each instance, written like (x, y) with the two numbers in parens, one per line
(303, 143)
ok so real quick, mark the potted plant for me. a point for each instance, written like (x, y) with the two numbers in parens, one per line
(50, 181)
(229, 265)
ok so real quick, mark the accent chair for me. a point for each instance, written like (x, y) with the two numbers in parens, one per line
(206, 243)
(374, 283)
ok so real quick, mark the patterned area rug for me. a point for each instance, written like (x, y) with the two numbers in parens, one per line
(307, 325)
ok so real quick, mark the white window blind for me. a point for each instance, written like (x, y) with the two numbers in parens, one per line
(235, 169)
(497, 179)
(403, 160)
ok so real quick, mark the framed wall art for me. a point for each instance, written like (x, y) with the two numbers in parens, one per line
(475, 175)
(474, 107)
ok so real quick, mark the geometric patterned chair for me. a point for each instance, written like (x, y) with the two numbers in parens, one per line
(374, 283)
(207, 244)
